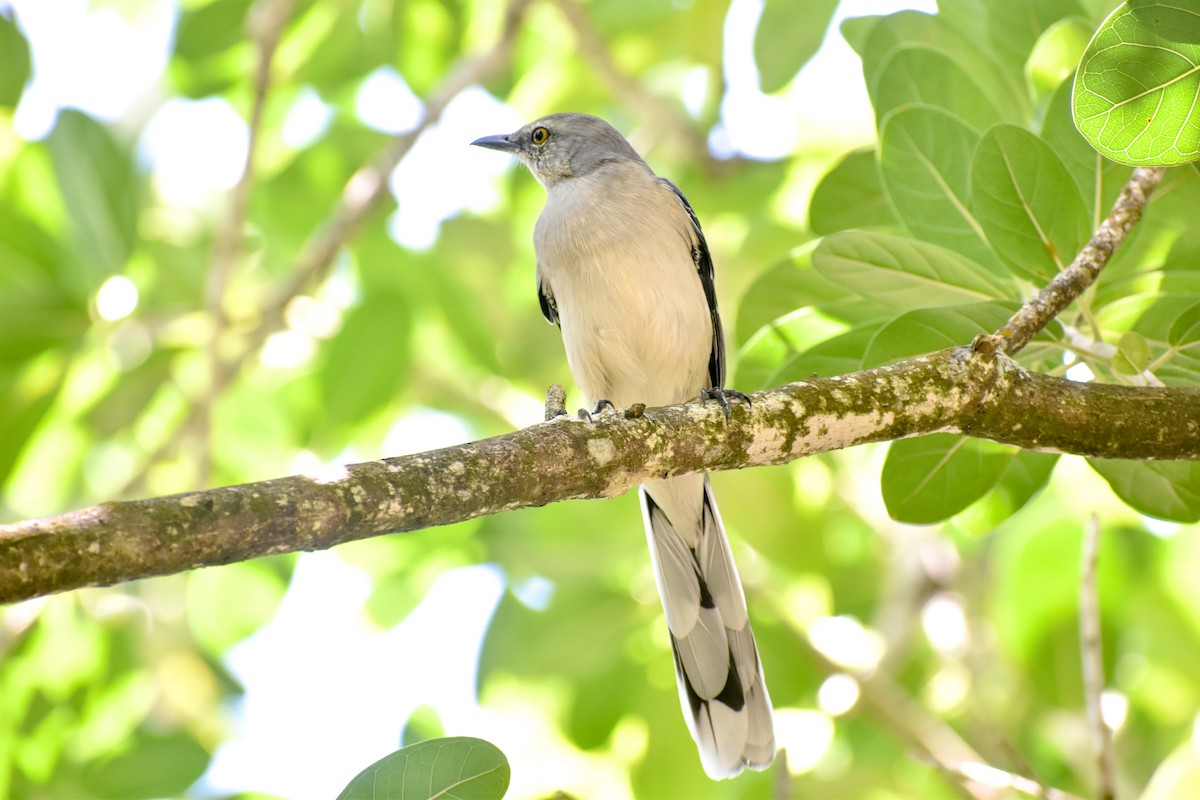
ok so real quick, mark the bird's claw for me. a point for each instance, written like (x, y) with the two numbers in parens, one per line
(723, 396)
(590, 416)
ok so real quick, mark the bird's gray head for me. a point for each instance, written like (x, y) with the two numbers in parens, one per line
(561, 146)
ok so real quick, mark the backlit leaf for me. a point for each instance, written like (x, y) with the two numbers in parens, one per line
(1136, 89)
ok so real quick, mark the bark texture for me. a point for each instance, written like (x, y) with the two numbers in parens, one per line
(973, 390)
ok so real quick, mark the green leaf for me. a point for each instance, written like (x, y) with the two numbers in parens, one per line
(778, 291)
(1177, 776)
(918, 73)
(850, 196)
(366, 363)
(1186, 328)
(1024, 477)
(855, 31)
(787, 36)
(1027, 202)
(422, 725)
(97, 181)
(1164, 489)
(1183, 366)
(15, 67)
(780, 342)
(1161, 313)
(1013, 26)
(968, 17)
(456, 767)
(153, 765)
(1098, 178)
(126, 399)
(1136, 89)
(925, 160)
(934, 477)
(37, 312)
(226, 605)
(1099, 9)
(208, 29)
(1133, 354)
(931, 329)
(29, 393)
(339, 53)
(837, 355)
(902, 273)
(908, 28)
(428, 30)
(793, 285)
(1056, 54)
(798, 348)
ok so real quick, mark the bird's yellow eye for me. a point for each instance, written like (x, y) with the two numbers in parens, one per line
(539, 135)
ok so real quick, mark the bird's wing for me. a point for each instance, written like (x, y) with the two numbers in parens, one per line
(704, 268)
(546, 300)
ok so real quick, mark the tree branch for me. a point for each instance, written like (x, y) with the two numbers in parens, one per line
(961, 390)
(1083, 271)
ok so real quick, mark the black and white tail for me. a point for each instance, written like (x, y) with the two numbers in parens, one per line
(720, 677)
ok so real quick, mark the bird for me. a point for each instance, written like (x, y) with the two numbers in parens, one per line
(624, 271)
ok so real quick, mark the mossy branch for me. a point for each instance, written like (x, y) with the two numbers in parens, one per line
(967, 390)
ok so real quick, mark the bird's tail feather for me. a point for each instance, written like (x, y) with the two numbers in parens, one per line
(720, 676)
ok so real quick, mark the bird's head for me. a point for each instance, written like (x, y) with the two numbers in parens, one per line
(562, 146)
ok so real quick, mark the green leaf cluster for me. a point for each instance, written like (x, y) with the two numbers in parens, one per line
(978, 192)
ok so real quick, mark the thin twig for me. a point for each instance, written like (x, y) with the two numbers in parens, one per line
(1093, 662)
(368, 187)
(985, 775)
(1075, 341)
(903, 715)
(782, 790)
(265, 26)
(1083, 271)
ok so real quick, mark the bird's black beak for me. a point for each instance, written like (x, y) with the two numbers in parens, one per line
(503, 143)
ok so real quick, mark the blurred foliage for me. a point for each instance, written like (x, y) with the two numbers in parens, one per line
(978, 187)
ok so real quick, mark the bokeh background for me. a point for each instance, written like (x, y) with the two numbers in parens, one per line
(171, 320)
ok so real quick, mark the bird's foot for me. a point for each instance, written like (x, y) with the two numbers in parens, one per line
(723, 396)
(590, 416)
